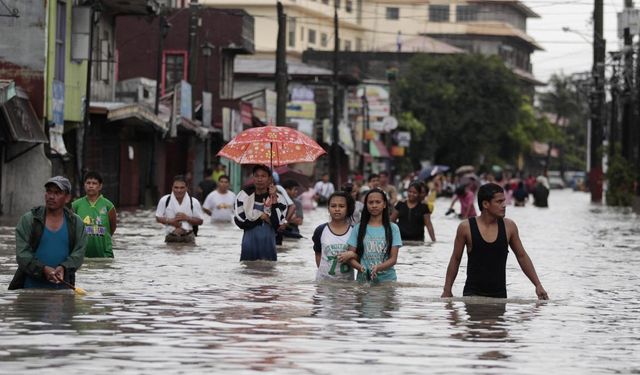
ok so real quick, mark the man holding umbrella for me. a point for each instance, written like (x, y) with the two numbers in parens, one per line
(258, 209)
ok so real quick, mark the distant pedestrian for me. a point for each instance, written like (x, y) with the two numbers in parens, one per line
(295, 213)
(388, 188)
(541, 192)
(219, 170)
(219, 203)
(50, 241)
(520, 195)
(99, 217)
(354, 191)
(373, 182)
(330, 240)
(206, 186)
(413, 215)
(487, 239)
(464, 194)
(308, 199)
(180, 213)
(323, 188)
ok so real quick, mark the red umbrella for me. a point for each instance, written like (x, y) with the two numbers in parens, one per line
(271, 145)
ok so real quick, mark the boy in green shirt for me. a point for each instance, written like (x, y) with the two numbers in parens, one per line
(98, 215)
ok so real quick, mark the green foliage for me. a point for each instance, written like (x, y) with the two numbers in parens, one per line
(620, 178)
(410, 123)
(469, 104)
(565, 99)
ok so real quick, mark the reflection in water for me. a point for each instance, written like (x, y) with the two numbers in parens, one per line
(43, 309)
(344, 301)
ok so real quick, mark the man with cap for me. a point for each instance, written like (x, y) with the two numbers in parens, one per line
(50, 241)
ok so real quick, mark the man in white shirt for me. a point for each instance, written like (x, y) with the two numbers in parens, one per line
(219, 203)
(324, 188)
(180, 213)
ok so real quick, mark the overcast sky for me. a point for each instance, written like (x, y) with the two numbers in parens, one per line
(568, 52)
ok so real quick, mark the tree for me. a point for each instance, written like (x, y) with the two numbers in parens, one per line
(469, 104)
(563, 100)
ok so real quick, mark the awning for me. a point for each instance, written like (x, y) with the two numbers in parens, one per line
(196, 127)
(130, 113)
(377, 149)
(20, 121)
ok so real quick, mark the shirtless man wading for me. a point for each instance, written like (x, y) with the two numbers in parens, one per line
(487, 239)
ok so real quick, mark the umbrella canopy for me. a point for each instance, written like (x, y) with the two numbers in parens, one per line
(469, 178)
(465, 169)
(288, 173)
(431, 171)
(271, 145)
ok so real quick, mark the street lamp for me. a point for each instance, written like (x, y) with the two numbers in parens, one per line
(207, 51)
(567, 29)
(597, 102)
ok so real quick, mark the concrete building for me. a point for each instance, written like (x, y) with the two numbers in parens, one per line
(205, 59)
(24, 167)
(309, 23)
(488, 27)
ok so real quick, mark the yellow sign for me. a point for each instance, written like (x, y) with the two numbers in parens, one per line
(301, 110)
(397, 151)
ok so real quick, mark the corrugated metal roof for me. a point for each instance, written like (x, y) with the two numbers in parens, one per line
(421, 44)
(268, 67)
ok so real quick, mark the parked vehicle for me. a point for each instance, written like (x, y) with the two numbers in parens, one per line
(577, 180)
(555, 180)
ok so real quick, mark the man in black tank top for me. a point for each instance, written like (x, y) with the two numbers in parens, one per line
(487, 239)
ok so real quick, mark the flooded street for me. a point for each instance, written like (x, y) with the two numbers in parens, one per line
(167, 309)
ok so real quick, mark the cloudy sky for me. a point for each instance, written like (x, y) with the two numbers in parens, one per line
(568, 52)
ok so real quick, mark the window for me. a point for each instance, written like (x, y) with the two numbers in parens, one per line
(226, 77)
(358, 44)
(103, 65)
(325, 2)
(466, 13)
(349, 6)
(302, 34)
(175, 69)
(439, 13)
(312, 36)
(393, 13)
(324, 39)
(61, 37)
(337, 4)
(291, 27)
(347, 45)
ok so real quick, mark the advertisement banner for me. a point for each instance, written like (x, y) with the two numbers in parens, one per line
(58, 102)
(185, 100)
(301, 110)
(207, 109)
(246, 113)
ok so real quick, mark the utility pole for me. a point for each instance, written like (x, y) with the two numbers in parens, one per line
(334, 156)
(614, 133)
(86, 121)
(193, 42)
(163, 30)
(597, 104)
(627, 74)
(281, 68)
